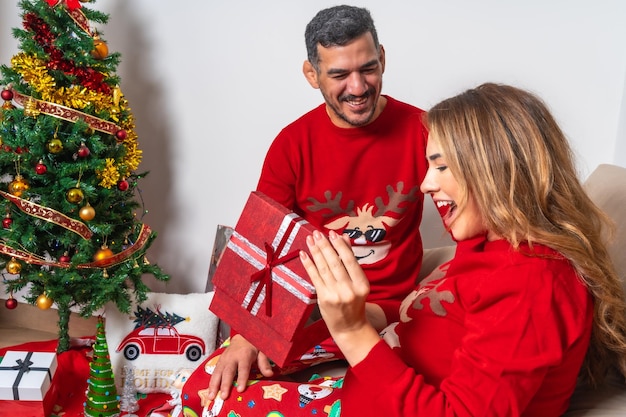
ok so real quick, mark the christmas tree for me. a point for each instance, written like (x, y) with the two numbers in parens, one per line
(101, 396)
(149, 318)
(128, 402)
(71, 233)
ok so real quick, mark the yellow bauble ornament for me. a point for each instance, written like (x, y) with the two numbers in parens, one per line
(14, 267)
(103, 253)
(75, 195)
(55, 145)
(44, 302)
(18, 186)
(87, 213)
(100, 49)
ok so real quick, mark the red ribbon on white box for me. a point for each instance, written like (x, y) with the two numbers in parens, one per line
(280, 273)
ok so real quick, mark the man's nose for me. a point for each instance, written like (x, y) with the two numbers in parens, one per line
(357, 84)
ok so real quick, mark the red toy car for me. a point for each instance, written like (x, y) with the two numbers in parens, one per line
(166, 340)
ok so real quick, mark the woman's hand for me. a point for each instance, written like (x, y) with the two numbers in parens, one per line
(342, 289)
(236, 361)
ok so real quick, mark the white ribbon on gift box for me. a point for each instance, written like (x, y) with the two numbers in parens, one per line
(282, 275)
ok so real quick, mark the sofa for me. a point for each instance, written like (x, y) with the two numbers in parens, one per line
(607, 188)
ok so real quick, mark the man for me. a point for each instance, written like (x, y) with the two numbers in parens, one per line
(353, 165)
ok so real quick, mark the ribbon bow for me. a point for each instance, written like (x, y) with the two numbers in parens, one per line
(22, 366)
(70, 4)
(264, 276)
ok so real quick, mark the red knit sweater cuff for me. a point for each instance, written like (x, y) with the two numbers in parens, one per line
(370, 369)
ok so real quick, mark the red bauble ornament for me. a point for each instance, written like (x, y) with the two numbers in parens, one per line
(7, 222)
(121, 134)
(65, 258)
(122, 185)
(11, 303)
(7, 95)
(83, 151)
(40, 168)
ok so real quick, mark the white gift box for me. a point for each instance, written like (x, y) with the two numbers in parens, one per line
(26, 376)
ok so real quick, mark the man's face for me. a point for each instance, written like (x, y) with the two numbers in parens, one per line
(350, 78)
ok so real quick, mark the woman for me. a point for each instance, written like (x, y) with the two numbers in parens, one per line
(530, 299)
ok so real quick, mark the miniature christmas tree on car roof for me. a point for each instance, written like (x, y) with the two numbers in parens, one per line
(68, 154)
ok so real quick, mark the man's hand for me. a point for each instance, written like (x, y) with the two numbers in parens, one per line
(237, 361)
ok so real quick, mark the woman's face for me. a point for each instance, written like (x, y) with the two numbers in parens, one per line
(445, 191)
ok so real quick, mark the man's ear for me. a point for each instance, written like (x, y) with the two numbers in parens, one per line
(310, 74)
(382, 57)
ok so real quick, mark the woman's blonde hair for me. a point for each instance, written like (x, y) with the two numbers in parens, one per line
(505, 149)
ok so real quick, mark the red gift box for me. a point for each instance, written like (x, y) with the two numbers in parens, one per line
(261, 288)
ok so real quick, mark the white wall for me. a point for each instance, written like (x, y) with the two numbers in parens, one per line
(211, 83)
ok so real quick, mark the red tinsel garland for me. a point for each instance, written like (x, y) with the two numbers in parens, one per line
(87, 77)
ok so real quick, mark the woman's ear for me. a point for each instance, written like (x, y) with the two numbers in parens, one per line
(310, 74)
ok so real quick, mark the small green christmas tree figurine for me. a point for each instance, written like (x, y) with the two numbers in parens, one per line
(68, 154)
(101, 397)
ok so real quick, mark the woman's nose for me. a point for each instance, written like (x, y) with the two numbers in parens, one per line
(429, 185)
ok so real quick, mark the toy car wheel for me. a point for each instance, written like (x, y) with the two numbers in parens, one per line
(131, 352)
(193, 353)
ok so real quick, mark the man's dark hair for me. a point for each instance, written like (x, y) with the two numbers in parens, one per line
(337, 26)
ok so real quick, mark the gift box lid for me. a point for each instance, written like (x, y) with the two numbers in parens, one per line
(26, 376)
(265, 243)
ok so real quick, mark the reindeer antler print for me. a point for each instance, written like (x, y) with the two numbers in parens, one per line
(430, 289)
(396, 198)
(333, 205)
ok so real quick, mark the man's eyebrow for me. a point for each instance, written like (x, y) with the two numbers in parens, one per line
(371, 63)
(434, 156)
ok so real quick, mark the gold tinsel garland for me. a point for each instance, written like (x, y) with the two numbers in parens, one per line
(34, 71)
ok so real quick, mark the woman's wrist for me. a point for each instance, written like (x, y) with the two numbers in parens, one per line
(357, 343)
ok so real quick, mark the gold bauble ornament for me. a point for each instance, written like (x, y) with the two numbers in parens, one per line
(14, 267)
(100, 49)
(7, 105)
(18, 186)
(103, 253)
(87, 212)
(55, 145)
(44, 302)
(74, 195)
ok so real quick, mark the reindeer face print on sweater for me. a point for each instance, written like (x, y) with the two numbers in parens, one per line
(367, 226)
